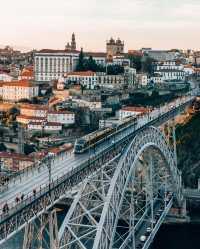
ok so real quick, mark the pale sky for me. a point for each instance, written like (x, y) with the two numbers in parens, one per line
(140, 23)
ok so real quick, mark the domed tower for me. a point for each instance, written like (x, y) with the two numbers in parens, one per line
(119, 46)
(114, 48)
(110, 45)
(73, 42)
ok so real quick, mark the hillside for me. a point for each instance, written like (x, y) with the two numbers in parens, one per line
(188, 150)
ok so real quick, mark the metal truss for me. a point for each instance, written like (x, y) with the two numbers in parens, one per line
(123, 195)
(32, 207)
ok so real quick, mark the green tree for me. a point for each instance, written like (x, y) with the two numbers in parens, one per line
(91, 64)
(115, 69)
(147, 64)
(136, 61)
(154, 94)
(81, 62)
(2, 147)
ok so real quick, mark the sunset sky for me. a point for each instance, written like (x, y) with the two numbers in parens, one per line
(140, 23)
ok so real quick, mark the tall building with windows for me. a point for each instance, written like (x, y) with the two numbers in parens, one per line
(52, 64)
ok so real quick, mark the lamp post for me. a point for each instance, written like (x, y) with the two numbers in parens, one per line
(49, 171)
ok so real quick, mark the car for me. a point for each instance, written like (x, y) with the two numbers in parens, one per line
(143, 238)
(148, 229)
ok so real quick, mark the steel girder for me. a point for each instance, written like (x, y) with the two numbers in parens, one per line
(112, 194)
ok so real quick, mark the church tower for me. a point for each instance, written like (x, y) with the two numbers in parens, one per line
(73, 42)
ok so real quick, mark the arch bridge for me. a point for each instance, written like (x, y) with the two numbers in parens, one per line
(120, 205)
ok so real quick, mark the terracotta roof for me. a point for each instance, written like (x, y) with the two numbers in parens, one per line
(30, 117)
(33, 107)
(15, 156)
(82, 73)
(20, 83)
(26, 73)
(135, 109)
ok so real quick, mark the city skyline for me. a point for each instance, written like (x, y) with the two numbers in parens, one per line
(141, 23)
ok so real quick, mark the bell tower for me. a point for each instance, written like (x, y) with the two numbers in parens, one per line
(73, 42)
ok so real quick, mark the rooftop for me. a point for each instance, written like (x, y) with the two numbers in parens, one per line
(55, 51)
(135, 109)
(15, 156)
(33, 107)
(20, 83)
(82, 73)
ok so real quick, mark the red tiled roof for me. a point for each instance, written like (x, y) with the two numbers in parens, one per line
(135, 109)
(33, 107)
(30, 117)
(82, 73)
(15, 156)
(20, 83)
(26, 73)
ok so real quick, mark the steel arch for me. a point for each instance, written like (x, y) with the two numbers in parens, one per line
(105, 228)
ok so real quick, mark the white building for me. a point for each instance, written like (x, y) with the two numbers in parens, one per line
(189, 70)
(23, 119)
(16, 90)
(88, 78)
(53, 64)
(155, 79)
(62, 117)
(34, 110)
(92, 105)
(121, 61)
(92, 80)
(141, 79)
(38, 115)
(129, 111)
(170, 70)
(5, 77)
(45, 126)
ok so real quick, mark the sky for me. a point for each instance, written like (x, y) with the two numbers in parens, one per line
(160, 24)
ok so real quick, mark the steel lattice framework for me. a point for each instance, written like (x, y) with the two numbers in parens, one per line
(119, 201)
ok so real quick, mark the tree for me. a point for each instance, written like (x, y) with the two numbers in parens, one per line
(147, 65)
(81, 62)
(91, 64)
(136, 61)
(83, 87)
(2, 147)
(115, 69)
(154, 94)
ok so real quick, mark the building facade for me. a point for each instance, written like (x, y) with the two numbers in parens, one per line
(16, 90)
(129, 111)
(170, 70)
(52, 64)
(114, 47)
(61, 117)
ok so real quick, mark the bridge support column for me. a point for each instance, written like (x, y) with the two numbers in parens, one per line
(28, 236)
(53, 230)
